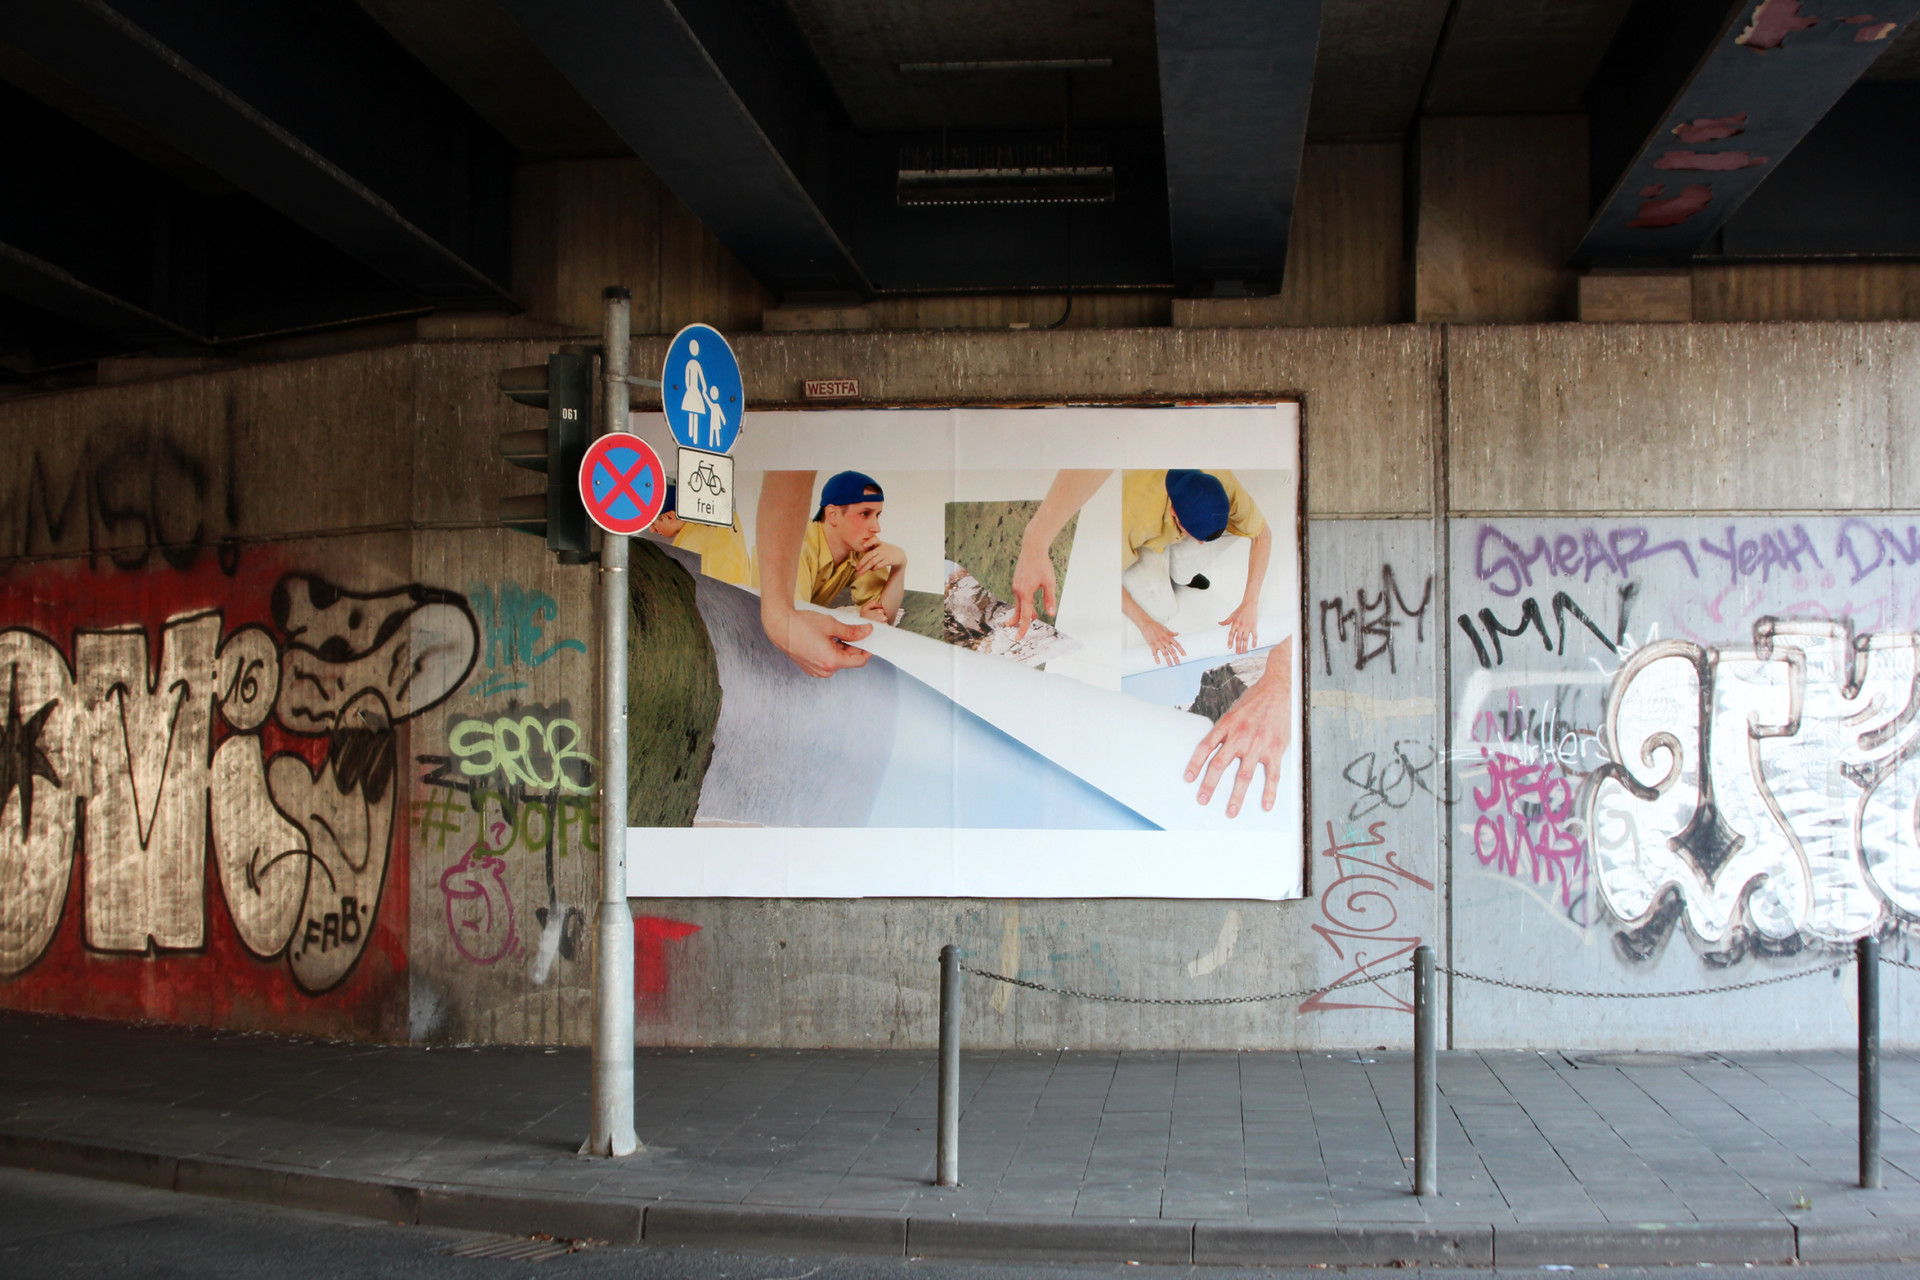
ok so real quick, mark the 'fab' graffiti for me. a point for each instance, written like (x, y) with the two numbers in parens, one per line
(152, 766)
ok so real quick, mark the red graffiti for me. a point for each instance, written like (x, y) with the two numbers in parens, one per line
(221, 982)
(651, 934)
(1710, 161)
(1673, 210)
(1773, 22)
(1358, 909)
(1711, 130)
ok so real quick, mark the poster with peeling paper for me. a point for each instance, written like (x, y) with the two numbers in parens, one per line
(887, 719)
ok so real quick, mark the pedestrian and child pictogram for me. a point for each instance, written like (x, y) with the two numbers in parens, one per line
(701, 389)
(622, 483)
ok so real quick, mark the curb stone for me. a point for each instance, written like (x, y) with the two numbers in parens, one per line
(718, 1226)
(1139, 1240)
(1052, 1239)
(1863, 1242)
(1643, 1242)
(516, 1214)
(1230, 1243)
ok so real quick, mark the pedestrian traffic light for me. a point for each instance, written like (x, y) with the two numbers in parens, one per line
(563, 386)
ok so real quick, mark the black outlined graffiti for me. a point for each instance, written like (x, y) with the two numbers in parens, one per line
(1371, 622)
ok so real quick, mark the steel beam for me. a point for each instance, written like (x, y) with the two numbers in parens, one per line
(288, 103)
(1235, 80)
(42, 284)
(720, 111)
(1768, 76)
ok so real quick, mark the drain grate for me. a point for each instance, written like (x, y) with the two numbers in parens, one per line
(1644, 1058)
(515, 1248)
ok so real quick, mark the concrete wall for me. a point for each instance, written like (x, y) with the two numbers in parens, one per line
(1453, 475)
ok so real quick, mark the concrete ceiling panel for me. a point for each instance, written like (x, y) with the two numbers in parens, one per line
(1501, 57)
(862, 45)
(1374, 56)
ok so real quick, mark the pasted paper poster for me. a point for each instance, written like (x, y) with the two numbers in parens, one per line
(1091, 745)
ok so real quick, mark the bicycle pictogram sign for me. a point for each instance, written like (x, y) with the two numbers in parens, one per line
(622, 483)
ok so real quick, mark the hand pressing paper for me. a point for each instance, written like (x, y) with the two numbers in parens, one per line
(976, 619)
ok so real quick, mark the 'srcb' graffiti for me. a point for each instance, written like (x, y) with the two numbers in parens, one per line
(145, 769)
(1772, 789)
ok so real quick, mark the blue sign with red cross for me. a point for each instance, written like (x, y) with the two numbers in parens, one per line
(622, 483)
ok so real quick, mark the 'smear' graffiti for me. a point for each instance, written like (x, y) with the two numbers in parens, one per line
(152, 765)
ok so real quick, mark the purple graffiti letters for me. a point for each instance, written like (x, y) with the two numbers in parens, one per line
(1781, 549)
(1507, 566)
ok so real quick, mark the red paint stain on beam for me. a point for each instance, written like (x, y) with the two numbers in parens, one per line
(1672, 210)
(1709, 161)
(651, 934)
(1772, 23)
(1711, 130)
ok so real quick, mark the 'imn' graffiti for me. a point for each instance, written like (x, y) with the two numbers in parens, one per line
(1770, 787)
(152, 760)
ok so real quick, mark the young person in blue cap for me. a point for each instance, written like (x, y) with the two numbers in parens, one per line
(842, 557)
(723, 552)
(1171, 525)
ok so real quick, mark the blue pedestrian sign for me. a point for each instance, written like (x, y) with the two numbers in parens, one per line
(701, 390)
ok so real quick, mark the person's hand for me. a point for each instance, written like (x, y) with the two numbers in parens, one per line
(1243, 626)
(817, 642)
(1254, 731)
(882, 555)
(1032, 572)
(1161, 640)
(877, 612)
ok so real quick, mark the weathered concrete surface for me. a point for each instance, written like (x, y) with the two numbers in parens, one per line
(132, 505)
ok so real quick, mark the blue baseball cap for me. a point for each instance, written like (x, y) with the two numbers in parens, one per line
(848, 489)
(1200, 502)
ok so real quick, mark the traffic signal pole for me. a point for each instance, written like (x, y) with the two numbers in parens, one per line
(613, 1133)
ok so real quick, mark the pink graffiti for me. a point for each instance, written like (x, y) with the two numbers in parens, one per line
(479, 908)
(1524, 820)
(1358, 909)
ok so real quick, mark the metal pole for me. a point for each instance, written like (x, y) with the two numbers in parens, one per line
(1426, 1092)
(1867, 961)
(613, 1133)
(948, 1146)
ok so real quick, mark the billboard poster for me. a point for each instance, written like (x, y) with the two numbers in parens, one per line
(868, 710)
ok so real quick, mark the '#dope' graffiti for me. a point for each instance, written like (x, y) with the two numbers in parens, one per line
(152, 765)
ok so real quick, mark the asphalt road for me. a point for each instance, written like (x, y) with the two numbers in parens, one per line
(52, 1226)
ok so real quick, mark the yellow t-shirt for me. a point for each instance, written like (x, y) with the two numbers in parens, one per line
(1146, 514)
(723, 552)
(822, 581)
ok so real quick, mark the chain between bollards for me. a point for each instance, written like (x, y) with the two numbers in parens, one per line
(948, 1150)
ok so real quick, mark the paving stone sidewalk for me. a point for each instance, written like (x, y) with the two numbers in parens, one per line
(1311, 1138)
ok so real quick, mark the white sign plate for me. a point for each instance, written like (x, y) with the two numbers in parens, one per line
(703, 490)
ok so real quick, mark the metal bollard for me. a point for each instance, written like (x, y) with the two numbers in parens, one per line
(948, 1146)
(1867, 961)
(1426, 1091)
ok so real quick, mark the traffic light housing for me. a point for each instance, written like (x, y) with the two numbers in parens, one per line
(563, 386)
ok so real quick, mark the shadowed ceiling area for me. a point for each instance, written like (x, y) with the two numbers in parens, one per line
(260, 167)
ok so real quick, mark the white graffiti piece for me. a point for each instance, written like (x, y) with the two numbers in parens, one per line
(129, 757)
(1772, 786)
(37, 789)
